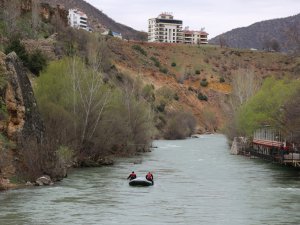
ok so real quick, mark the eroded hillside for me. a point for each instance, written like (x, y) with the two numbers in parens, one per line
(196, 71)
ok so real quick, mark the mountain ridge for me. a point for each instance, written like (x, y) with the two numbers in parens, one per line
(261, 33)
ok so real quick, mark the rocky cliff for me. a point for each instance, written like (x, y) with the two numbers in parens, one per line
(20, 119)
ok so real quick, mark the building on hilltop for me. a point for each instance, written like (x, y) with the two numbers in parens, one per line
(195, 37)
(112, 33)
(165, 29)
(78, 19)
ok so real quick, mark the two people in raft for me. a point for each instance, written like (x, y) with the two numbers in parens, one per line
(149, 176)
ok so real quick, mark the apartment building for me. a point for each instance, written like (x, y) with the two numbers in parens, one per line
(78, 19)
(165, 28)
(195, 37)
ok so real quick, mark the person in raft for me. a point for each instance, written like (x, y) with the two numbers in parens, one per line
(131, 176)
(149, 177)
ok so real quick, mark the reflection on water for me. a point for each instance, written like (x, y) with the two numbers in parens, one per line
(197, 181)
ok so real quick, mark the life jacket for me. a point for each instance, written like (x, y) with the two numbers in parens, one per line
(133, 175)
(149, 176)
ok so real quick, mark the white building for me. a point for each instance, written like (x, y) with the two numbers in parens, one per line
(78, 19)
(195, 37)
(165, 29)
(113, 33)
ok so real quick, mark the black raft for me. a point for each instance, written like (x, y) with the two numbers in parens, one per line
(140, 181)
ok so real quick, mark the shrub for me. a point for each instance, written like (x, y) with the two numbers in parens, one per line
(222, 80)
(161, 107)
(180, 125)
(148, 93)
(155, 60)
(163, 70)
(176, 97)
(202, 97)
(173, 64)
(139, 49)
(16, 46)
(197, 72)
(36, 62)
(204, 82)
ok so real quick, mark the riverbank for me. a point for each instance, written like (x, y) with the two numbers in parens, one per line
(243, 146)
(5, 185)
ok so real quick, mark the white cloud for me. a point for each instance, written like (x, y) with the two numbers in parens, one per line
(216, 16)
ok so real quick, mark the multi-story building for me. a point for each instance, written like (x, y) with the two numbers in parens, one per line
(165, 29)
(195, 37)
(78, 19)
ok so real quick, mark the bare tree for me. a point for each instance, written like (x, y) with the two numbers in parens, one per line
(11, 13)
(210, 119)
(90, 95)
(293, 35)
(223, 42)
(35, 15)
(244, 85)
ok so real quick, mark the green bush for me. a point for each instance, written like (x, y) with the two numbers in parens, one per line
(176, 97)
(173, 64)
(161, 107)
(222, 79)
(16, 46)
(36, 62)
(202, 97)
(139, 49)
(148, 93)
(204, 82)
(3, 111)
(163, 70)
(155, 60)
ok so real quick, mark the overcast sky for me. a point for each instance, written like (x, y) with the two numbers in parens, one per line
(217, 16)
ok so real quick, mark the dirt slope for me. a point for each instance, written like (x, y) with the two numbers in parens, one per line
(192, 64)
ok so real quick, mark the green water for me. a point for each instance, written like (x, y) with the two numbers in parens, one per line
(197, 181)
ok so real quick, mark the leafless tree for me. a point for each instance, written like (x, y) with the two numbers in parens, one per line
(223, 42)
(293, 35)
(90, 95)
(244, 85)
(11, 13)
(35, 7)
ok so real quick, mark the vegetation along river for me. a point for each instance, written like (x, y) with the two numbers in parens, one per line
(197, 181)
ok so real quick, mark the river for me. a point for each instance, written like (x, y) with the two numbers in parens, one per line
(197, 182)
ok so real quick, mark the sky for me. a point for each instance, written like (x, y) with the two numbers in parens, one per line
(216, 16)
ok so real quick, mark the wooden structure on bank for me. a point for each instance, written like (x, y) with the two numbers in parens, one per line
(269, 144)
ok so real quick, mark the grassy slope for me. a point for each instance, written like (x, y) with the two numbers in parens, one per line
(213, 63)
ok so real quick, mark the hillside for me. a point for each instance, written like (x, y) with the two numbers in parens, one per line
(97, 18)
(192, 65)
(258, 35)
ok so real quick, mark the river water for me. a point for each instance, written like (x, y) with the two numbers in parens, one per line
(197, 181)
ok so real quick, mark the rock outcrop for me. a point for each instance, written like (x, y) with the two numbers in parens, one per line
(20, 119)
(44, 180)
(24, 117)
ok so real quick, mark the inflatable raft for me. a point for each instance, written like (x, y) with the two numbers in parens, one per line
(140, 181)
